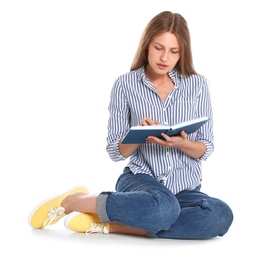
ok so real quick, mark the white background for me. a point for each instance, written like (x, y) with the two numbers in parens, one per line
(58, 62)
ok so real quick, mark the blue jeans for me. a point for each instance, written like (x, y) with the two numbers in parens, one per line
(140, 201)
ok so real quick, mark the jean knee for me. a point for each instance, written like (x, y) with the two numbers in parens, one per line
(226, 218)
(166, 212)
(221, 215)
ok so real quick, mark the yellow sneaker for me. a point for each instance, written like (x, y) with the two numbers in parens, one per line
(87, 223)
(49, 211)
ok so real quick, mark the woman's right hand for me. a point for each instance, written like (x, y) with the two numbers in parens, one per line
(128, 149)
(148, 121)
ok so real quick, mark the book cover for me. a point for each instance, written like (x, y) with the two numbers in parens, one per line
(138, 134)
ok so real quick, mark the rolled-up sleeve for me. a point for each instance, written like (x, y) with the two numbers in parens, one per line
(118, 123)
(204, 108)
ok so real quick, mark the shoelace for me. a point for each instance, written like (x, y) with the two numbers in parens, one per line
(97, 227)
(53, 215)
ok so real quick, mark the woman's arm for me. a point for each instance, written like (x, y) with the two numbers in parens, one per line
(127, 150)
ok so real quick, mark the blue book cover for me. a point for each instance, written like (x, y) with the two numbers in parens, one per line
(138, 134)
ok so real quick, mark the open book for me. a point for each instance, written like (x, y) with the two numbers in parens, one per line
(138, 134)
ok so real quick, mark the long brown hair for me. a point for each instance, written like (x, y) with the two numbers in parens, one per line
(166, 22)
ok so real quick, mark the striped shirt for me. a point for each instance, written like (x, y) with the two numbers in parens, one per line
(133, 98)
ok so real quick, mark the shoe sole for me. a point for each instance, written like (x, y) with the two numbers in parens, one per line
(49, 199)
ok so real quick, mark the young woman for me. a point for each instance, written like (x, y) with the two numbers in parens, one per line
(158, 194)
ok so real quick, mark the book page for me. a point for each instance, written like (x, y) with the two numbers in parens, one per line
(158, 126)
(189, 122)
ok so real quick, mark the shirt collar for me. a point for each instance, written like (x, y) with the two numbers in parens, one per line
(173, 74)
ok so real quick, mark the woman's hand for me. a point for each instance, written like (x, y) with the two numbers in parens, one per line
(128, 149)
(193, 149)
(169, 141)
(148, 121)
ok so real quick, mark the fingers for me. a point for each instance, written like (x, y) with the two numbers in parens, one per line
(168, 141)
(183, 134)
(148, 121)
(163, 142)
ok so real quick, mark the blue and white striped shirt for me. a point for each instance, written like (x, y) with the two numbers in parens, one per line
(133, 98)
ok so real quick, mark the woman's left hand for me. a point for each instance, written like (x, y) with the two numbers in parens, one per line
(168, 141)
(194, 149)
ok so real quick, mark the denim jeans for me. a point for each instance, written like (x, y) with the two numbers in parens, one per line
(140, 201)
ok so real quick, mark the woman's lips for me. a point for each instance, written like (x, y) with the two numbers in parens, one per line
(161, 66)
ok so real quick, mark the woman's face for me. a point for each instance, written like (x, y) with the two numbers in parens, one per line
(163, 53)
